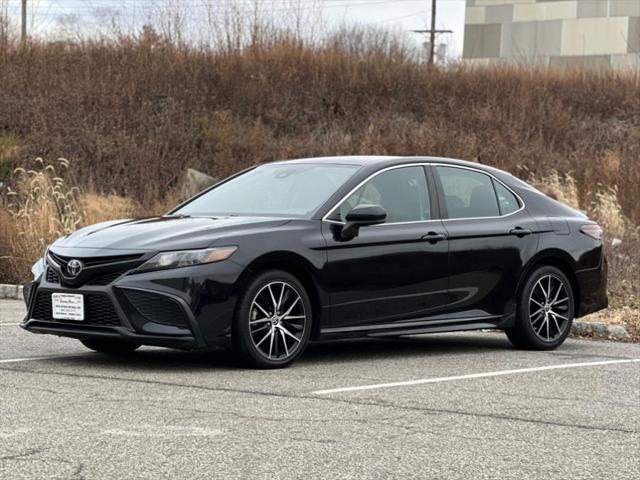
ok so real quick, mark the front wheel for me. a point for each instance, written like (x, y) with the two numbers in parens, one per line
(545, 311)
(272, 324)
(110, 346)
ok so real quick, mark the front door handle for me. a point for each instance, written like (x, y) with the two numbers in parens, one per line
(520, 232)
(434, 237)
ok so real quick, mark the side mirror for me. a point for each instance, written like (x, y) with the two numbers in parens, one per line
(362, 216)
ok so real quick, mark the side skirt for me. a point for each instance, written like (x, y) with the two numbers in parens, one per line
(414, 327)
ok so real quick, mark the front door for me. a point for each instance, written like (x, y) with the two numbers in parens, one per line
(394, 271)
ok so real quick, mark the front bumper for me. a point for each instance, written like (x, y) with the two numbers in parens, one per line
(186, 308)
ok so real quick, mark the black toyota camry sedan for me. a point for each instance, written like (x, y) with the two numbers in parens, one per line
(293, 251)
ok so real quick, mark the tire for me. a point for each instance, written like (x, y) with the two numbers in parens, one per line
(543, 320)
(111, 346)
(273, 319)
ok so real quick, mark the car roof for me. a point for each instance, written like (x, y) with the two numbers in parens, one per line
(384, 161)
(343, 160)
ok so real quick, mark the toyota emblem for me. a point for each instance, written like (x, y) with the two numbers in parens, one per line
(74, 267)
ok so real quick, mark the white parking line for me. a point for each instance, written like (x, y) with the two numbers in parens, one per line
(31, 359)
(6, 324)
(471, 376)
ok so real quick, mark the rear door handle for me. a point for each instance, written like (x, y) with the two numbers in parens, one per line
(434, 237)
(520, 232)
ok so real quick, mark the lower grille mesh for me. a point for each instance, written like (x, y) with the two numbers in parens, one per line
(157, 308)
(98, 310)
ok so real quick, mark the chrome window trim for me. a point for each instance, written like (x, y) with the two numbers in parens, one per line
(425, 164)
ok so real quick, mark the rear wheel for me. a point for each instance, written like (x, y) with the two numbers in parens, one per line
(110, 346)
(273, 320)
(545, 311)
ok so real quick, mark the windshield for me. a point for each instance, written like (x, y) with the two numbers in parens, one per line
(282, 190)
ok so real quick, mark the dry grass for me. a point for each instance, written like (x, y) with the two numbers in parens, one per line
(100, 208)
(606, 208)
(563, 188)
(41, 208)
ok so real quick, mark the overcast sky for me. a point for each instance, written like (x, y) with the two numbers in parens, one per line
(50, 16)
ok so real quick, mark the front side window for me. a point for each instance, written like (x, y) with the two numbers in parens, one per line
(468, 194)
(281, 190)
(402, 192)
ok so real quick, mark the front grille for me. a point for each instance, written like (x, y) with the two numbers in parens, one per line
(90, 262)
(52, 276)
(157, 308)
(99, 271)
(98, 310)
(102, 280)
(106, 279)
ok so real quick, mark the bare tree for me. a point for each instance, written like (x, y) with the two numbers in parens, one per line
(5, 24)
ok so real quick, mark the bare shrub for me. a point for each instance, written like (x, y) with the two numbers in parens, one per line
(134, 113)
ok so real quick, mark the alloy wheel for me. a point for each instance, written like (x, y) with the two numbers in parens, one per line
(277, 320)
(549, 308)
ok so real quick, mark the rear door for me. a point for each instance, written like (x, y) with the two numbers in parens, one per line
(389, 272)
(491, 236)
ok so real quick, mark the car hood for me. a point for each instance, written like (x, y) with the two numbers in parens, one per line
(160, 233)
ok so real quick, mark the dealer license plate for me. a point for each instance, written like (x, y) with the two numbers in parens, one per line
(67, 306)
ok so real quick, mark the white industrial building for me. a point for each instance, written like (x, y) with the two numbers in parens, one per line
(561, 33)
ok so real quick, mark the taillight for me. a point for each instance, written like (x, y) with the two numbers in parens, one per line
(592, 230)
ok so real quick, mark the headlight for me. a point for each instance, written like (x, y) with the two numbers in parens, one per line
(38, 268)
(186, 258)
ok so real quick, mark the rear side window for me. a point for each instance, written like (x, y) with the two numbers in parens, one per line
(468, 194)
(506, 200)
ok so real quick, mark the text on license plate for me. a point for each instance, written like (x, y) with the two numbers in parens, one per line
(67, 306)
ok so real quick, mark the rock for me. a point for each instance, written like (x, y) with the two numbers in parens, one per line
(194, 182)
(615, 242)
(600, 330)
(618, 332)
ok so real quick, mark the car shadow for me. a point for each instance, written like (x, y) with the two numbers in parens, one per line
(403, 347)
(326, 352)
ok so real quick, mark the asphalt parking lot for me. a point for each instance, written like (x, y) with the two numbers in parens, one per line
(441, 406)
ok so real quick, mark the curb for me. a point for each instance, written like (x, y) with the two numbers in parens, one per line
(579, 329)
(600, 330)
(10, 292)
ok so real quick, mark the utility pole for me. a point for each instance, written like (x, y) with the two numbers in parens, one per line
(23, 36)
(432, 32)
